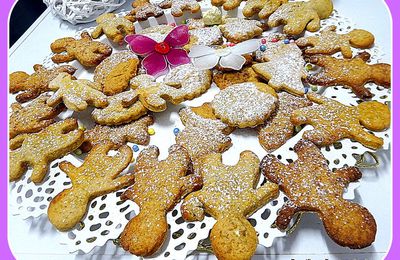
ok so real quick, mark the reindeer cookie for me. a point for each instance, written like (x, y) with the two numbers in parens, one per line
(98, 175)
(134, 132)
(278, 128)
(115, 28)
(263, 8)
(312, 187)
(283, 67)
(352, 73)
(179, 6)
(39, 149)
(33, 117)
(330, 42)
(37, 83)
(75, 94)
(122, 108)
(333, 121)
(89, 53)
(229, 195)
(299, 16)
(159, 186)
(245, 105)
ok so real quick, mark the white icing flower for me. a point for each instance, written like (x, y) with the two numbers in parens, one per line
(204, 57)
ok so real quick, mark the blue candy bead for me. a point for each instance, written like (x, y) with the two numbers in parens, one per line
(135, 148)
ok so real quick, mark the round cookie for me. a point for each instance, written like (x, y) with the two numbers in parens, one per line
(245, 105)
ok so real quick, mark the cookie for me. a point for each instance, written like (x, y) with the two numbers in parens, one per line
(33, 117)
(238, 30)
(87, 52)
(245, 105)
(278, 129)
(157, 32)
(115, 72)
(262, 8)
(184, 82)
(205, 36)
(226, 79)
(158, 187)
(203, 133)
(229, 194)
(37, 150)
(333, 121)
(352, 73)
(143, 10)
(329, 42)
(179, 6)
(213, 16)
(227, 4)
(75, 94)
(122, 108)
(299, 16)
(134, 132)
(195, 23)
(37, 83)
(115, 28)
(98, 175)
(283, 67)
(312, 187)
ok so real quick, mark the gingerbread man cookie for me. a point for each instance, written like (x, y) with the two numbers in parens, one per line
(278, 128)
(115, 72)
(159, 186)
(229, 195)
(283, 67)
(245, 105)
(89, 53)
(37, 83)
(33, 117)
(39, 149)
(299, 16)
(263, 8)
(142, 10)
(115, 28)
(179, 6)
(330, 42)
(122, 108)
(134, 132)
(76, 94)
(352, 73)
(239, 29)
(203, 133)
(98, 175)
(312, 187)
(333, 121)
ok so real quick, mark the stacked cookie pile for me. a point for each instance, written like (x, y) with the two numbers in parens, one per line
(266, 89)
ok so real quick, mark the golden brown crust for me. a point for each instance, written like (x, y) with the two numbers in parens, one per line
(98, 175)
(37, 83)
(39, 149)
(239, 29)
(89, 53)
(226, 79)
(159, 186)
(227, 4)
(311, 186)
(33, 117)
(115, 28)
(352, 73)
(333, 121)
(229, 195)
(178, 7)
(262, 8)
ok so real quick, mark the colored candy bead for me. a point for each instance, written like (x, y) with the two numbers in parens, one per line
(230, 44)
(78, 151)
(291, 41)
(274, 40)
(298, 128)
(173, 24)
(151, 131)
(263, 41)
(306, 89)
(309, 67)
(133, 160)
(314, 88)
(176, 131)
(263, 48)
(286, 41)
(135, 148)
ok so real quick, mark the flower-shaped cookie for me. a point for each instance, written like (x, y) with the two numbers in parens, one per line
(159, 55)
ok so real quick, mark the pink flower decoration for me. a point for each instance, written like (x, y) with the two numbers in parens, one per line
(158, 55)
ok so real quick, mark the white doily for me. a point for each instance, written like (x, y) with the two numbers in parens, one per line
(108, 215)
(82, 11)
